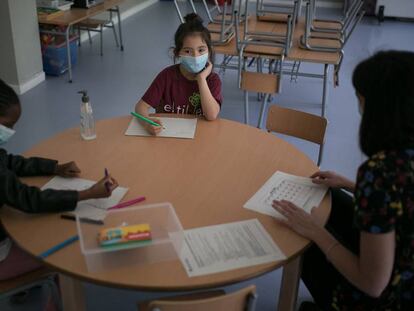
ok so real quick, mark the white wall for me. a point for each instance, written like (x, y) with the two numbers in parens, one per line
(20, 56)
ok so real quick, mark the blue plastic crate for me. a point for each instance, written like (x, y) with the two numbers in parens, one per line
(55, 61)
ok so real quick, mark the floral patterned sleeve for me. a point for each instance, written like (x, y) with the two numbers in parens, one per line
(377, 198)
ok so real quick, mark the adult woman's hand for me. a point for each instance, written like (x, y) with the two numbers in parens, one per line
(333, 180)
(297, 219)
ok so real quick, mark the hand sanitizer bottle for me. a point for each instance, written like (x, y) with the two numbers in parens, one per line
(87, 124)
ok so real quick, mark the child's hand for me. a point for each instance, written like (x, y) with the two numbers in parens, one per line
(69, 169)
(102, 189)
(153, 130)
(205, 72)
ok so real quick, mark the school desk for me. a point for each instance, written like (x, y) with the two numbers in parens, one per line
(207, 179)
(296, 54)
(77, 15)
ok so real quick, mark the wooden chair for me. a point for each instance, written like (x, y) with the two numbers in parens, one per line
(330, 35)
(298, 124)
(278, 12)
(221, 22)
(43, 277)
(263, 83)
(242, 300)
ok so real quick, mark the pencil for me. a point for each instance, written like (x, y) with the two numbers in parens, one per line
(59, 246)
(87, 220)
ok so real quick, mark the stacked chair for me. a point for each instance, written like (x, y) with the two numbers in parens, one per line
(330, 35)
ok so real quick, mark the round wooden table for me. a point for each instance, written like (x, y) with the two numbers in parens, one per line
(207, 179)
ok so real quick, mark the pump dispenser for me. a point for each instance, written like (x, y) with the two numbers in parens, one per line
(87, 123)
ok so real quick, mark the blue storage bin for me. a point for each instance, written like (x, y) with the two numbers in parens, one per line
(55, 61)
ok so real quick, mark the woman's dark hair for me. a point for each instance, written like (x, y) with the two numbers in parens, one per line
(386, 81)
(8, 98)
(193, 25)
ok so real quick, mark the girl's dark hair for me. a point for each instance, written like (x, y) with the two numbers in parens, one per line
(8, 98)
(386, 81)
(193, 25)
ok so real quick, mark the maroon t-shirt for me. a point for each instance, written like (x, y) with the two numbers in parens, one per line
(171, 92)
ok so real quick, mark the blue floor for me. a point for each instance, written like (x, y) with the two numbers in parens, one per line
(117, 80)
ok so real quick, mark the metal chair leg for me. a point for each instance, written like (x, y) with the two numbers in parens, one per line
(246, 107)
(101, 37)
(79, 36)
(262, 111)
(90, 38)
(320, 154)
(119, 27)
(113, 29)
(115, 35)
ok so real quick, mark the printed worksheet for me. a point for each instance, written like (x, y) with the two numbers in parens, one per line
(281, 186)
(92, 209)
(173, 127)
(226, 247)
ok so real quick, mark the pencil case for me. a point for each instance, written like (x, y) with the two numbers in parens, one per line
(126, 234)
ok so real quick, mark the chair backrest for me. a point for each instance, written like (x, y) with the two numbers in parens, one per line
(296, 123)
(278, 11)
(263, 37)
(260, 82)
(242, 300)
(28, 278)
(39, 277)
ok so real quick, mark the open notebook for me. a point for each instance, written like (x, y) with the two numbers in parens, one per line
(174, 127)
(91, 209)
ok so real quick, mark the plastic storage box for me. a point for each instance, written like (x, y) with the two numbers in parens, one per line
(55, 60)
(166, 242)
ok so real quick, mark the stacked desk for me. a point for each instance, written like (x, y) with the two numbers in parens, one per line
(296, 54)
(76, 15)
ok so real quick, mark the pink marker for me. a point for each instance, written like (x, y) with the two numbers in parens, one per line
(127, 203)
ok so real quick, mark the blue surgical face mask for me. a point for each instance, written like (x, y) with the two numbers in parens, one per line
(194, 64)
(5, 134)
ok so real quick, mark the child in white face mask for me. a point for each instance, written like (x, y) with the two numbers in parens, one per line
(14, 261)
(189, 87)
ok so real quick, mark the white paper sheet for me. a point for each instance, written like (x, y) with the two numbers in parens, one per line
(5, 247)
(92, 209)
(226, 247)
(281, 186)
(174, 127)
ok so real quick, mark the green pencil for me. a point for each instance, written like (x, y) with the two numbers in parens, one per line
(145, 119)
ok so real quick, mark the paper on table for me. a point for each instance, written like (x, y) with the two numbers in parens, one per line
(226, 247)
(174, 127)
(93, 208)
(281, 186)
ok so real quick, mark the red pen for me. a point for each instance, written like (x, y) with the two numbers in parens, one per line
(127, 203)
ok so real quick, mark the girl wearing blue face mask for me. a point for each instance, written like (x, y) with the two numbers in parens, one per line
(190, 86)
(13, 261)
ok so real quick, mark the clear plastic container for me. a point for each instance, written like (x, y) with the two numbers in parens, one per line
(166, 242)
